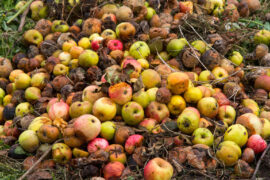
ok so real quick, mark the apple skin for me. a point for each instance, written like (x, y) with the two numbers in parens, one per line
(251, 122)
(120, 93)
(59, 110)
(176, 105)
(87, 127)
(116, 153)
(78, 153)
(132, 142)
(29, 140)
(208, 107)
(79, 108)
(113, 170)
(263, 36)
(202, 136)
(84, 43)
(92, 93)
(188, 120)
(61, 153)
(257, 143)
(177, 82)
(199, 45)
(220, 74)
(139, 50)
(175, 46)
(88, 58)
(136, 66)
(23, 108)
(248, 155)
(115, 45)
(10, 130)
(33, 36)
(22, 81)
(150, 78)
(221, 98)
(148, 123)
(125, 31)
(205, 76)
(158, 169)
(227, 114)
(236, 58)
(157, 111)
(251, 104)
(228, 152)
(186, 7)
(108, 129)
(262, 82)
(193, 95)
(132, 113)
(104, 109)
(265, 128)
(236, 133)
(32, 94)
(152, 93)
(97, 144)
(48, 133)
(141, 97)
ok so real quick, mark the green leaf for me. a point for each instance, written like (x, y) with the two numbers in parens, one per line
(267, 26)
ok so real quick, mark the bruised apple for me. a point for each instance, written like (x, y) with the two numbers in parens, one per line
(157, 169)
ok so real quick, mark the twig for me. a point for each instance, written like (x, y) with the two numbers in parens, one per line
(23, 19)
(259, 162)
(38, 161)
(164, 62)
(20, 11)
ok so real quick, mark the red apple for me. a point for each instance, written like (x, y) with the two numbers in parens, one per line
(257, 143)
(132, 142)
(157, 111)
(97, 144)
(115, 45)
(59, 110)
(120, 93)
(10, 129)
(113, 170)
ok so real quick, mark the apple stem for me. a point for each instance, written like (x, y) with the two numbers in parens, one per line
(20, 11)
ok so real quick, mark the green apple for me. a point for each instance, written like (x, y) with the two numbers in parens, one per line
(29, 140)
(175, 46)
(108, 129)
(60, 69)
(59, 26)
(23, 108)
(141, 97)
(22, 81)
(139, 50)
(263, 36)
(203, 136)
(205, 76)
(199, 45)
(228, 152)
(236, 133)
(2, 133)
(188, 120)
(152, 93)
(32, 94)
(79, 108)
(132, 113)
(2, 95)
(108, 34)
(88, 58)
(164, 55)
(150, 13)
(227, 113)
(236, 58)
(266, 128)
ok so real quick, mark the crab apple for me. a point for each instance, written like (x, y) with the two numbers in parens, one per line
(220, 74)
(33, 36)
(248, 155)
(208, 107)
(113, 170)
(23, 108)
(68, 44)
(236, 58)
(206, 92)
(199, 45)
(61, 153)
(108, 129)
(150, 78)
(236, 133)
(132, 113)
(59, 110)
(29, 140)
(228, 152)
(202, 136)
(60, 69)
(148, 123)
(176, 105)
(158, 169)
(38, 122)
(92, 93)
(263, 36)
(227, 114)
(186, 7)
(132, 142)
(79, 108)
(193, 95)
(88, 58)
(95, 45)
(136, 67)
(64, 58)
(48, 133)
(87, 127)
(177, 82)
(32, 94)
(115, 45)
(157, 111)
(144, 63)
(116, 153)
(188, 120)
(108, 34)
(97, 144)
(13, 74)
(84, 43)
(22, 81)
(120, 93)
(139, 50)
(175, 46)
(141, 97)
(75, 51)
(104, 109)
(53, 101)
(150, 13)
(257, 143)
(78, 153)
(39, 80)
(205, 76)
(251, 122)
(265, 128)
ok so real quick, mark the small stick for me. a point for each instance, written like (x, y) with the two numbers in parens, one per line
(20, 11)
(38, 161)
(259, 162)
(23, 18)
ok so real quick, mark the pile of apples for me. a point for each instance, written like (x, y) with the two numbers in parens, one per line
(94, 89)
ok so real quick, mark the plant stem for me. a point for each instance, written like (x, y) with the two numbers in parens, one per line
(20, 11)
(250, 21)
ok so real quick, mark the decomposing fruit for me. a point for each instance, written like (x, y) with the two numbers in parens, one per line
(158, 168)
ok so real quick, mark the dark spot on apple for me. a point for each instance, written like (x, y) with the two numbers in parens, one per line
(135, 111)
(186, 123)
(203, 136)
(159, 108)
(44, 133)
(125, 92)
(245, 133)
(92, 120)
(229, 130)
(126, 106)
(79, 104)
